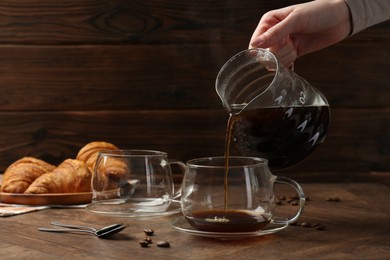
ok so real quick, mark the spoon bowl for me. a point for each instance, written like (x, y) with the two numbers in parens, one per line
(105, 232)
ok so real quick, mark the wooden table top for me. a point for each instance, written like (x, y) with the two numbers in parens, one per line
(356, 227)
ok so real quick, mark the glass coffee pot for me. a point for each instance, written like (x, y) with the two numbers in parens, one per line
(274, 113)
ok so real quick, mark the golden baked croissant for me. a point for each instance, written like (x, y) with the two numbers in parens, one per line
(90, 151)
(20, 174)
(113, 169)
(69, 177)
(110, 171)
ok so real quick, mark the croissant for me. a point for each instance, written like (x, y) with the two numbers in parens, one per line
(20, 174)
(110, 172)
(90, 151)
(69, 177)
(113, 169)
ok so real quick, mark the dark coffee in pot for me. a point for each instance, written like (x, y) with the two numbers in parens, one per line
(282, 135)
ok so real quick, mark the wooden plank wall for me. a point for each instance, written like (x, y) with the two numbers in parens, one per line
(140, 74)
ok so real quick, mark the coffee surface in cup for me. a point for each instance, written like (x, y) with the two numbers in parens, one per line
(227, 220)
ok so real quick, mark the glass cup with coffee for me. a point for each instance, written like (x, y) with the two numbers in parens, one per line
(244, 203)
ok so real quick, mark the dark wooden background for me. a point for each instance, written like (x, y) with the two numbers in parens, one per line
(140, 74)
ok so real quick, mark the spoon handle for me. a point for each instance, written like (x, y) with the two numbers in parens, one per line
(59, 224)
(64, 230)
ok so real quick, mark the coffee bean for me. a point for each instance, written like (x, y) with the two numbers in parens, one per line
(320, 227)
(294, 203)
(163, 244)
(333, 199)
(279, 202)
(149, 232)
(148, 239)
(306, 224)
(295, 223)
(143, 243)
(293, 197)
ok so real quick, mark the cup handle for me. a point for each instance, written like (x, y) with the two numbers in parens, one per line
(301, 196)
(177, 195)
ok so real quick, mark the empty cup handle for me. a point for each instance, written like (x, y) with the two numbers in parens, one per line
(177, 195)
(301, 197)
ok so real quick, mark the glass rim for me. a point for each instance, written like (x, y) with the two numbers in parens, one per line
(132, 153)
(202, 162)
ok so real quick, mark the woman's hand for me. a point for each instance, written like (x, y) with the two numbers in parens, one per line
(296, 30)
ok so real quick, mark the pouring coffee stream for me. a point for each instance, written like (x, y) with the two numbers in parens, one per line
(273, 113)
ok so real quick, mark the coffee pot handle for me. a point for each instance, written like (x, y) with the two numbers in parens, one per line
(301, 199)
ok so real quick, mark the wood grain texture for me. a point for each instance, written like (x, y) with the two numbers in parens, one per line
(133, 22)
(167, 76)
(141, 74)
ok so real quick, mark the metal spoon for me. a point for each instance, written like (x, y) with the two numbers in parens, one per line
(101, 233)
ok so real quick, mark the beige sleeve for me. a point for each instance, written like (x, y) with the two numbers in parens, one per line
(366, 13)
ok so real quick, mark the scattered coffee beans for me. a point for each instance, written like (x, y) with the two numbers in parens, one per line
(148, 240)
(292, 200)
(317, 226)
(163, 244)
